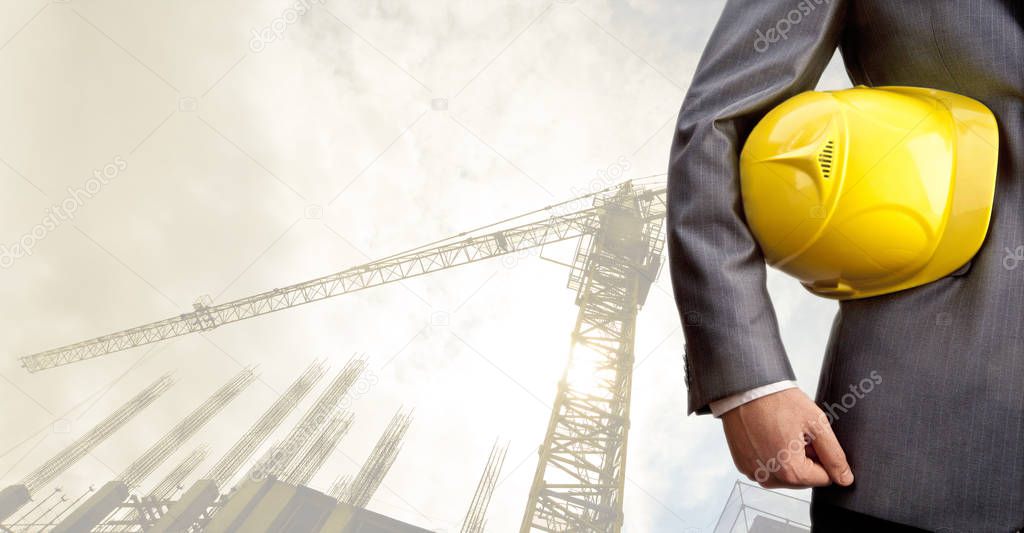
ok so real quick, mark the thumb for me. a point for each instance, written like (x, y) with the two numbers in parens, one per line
(831, 455)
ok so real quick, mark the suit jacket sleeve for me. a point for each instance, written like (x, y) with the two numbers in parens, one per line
(760, 53)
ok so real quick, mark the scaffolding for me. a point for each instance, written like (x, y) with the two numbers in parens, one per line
(752, 509)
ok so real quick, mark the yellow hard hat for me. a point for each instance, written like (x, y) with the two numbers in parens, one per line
(870, 191)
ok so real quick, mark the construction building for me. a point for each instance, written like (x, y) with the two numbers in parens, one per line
(271, 497)
(579, 479)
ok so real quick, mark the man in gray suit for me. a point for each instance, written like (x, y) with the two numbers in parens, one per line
(938, 442)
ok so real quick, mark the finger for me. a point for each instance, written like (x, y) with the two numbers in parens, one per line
(808, 474)
(772, 484)
(788, 466)
(796, 470)
(831, 455)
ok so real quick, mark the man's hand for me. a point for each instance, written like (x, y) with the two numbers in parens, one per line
(784, 440)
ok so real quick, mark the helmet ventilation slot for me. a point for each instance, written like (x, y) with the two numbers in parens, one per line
(825, 159)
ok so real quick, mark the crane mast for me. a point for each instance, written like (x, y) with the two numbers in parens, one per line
(581, 473)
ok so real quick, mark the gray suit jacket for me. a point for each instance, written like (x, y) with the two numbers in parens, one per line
(939, 442)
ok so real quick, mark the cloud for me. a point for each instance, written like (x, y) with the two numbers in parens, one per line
(227, 151)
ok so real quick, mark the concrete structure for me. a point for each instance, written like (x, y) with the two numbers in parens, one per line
(95, 509)
(286, 508)
(239, 505)
(13, 498)
(192, 504)
(271, 506)
(348, 519)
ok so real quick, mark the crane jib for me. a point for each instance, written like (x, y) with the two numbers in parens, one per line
(556, 226)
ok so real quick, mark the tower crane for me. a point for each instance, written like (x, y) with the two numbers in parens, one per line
(580, 476)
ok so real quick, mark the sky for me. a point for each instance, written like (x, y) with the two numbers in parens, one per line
(247, 145)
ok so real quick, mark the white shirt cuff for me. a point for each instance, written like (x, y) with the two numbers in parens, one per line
(720, 407)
